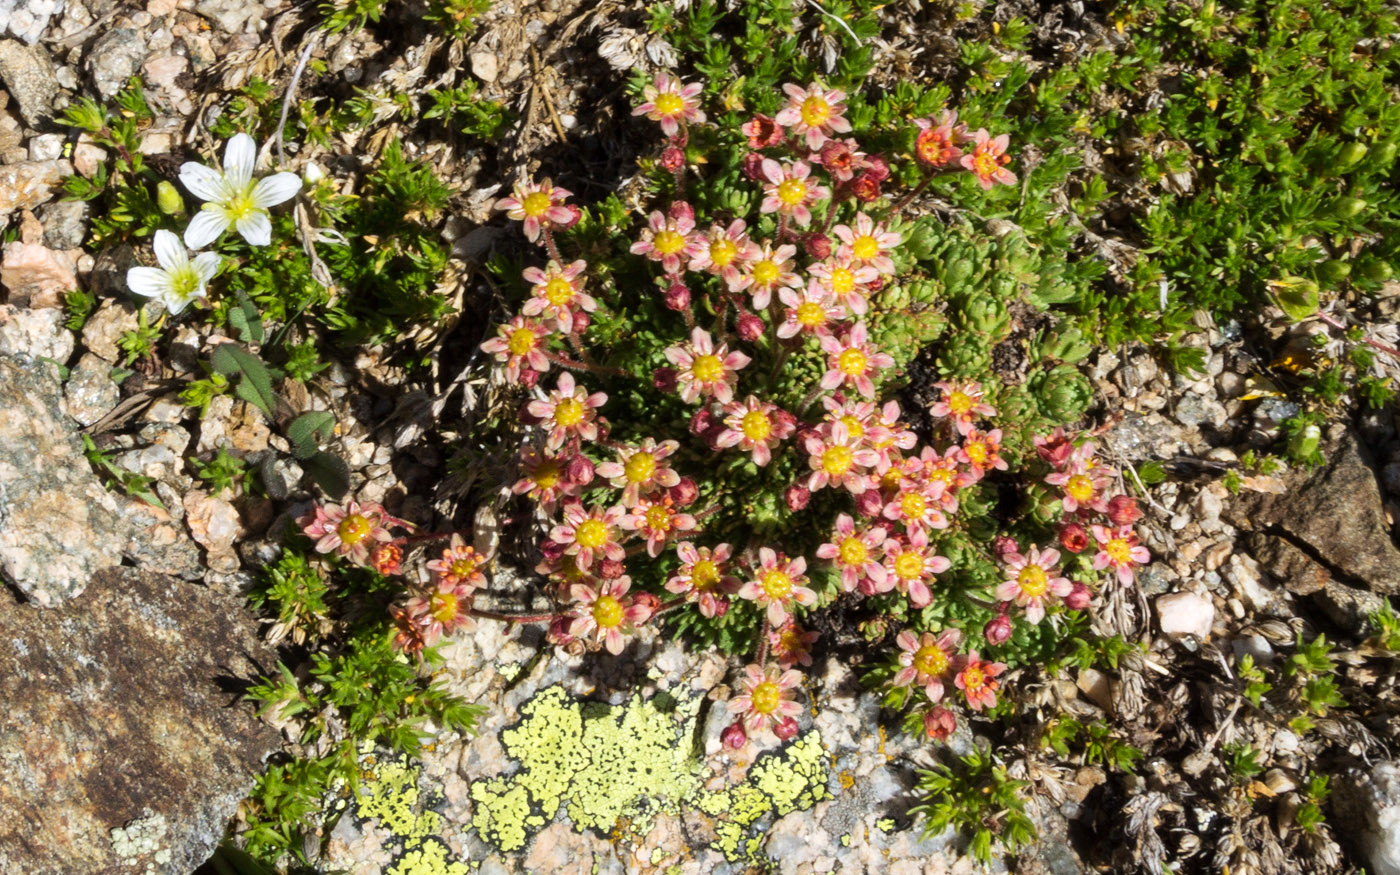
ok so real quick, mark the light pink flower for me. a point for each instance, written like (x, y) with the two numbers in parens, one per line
(962, 403)
(814, 113)
(641, 469)
(542, 479)
(557, 293)
(868, 243)
(459, 564)
(1120, 551)
(539, 205)
(769, 269)
(858, 553)
(756, 427)
(778, 583)
(606, 613)
(853, 361)
(669, 240)
(589, 534)
(911, 563)
(791, 645)
(790, 191)
(937, 142)
(765, 700)
(848, 282)
(983, 450)
(837, 459)
(519, 342)
(926, 660)
(810, 311)
(706, 369)
(671, 102)
(568, 410)
(1082, 486)
(1032, 581)
(988, 159)
(443, 610)
(918, 506)
(978, 680)
(350, 531)
(703, 577)
(656, 519)
(725, 251)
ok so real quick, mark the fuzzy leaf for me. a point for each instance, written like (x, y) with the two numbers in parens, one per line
(308, 431)
(255, 383)
(329, 472)
(247, 320)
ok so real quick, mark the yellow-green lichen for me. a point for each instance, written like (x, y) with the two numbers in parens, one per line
(429, 858)
(389, 793)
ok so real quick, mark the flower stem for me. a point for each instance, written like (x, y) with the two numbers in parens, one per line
(905, 201)
(762, 655)
(512, 618)
(571, 364)
(552, 247)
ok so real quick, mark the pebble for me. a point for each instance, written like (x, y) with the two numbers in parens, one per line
(1194, 410)
(90, 393)
(28, 74)
(106, 325)
(1182, 614)
(36, 334)
(114, 59)
(27, 184)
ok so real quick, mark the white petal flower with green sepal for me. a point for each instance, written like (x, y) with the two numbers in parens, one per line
(179, 279)
(232, 198)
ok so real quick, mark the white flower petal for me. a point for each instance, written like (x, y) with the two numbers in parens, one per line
(170, 252)
(206, 264)
(275, 189)
(205, 228)
(256, 228)
(175, 303)
(202, 182)
(239, 158)
(150, 282)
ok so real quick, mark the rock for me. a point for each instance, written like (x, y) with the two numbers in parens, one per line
(1348, 607)
(1338, 514)
(484, 66)
(163, 70)
(232, 16)
(1182, 614)
(214, 523)
(28, 74)
(1194, 410)
(58, 524)
(115, 58)
(90, 393)
(237, 425)
(106, 325)
(27, 184)
(1244, 573)
(122, 747)
(34, 334)
(46, 147)
(1369, 804)
(65, 223)
(36, 276)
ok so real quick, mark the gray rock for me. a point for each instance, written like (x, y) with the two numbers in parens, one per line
(1369, 803)
(27, 184)
(28, 74)
(115, 58)
(65, 223)
(232, 16)
(34, 334)
(27, 19)
(122, 747)
(1194, 410)
(106, 325)
(90, 393)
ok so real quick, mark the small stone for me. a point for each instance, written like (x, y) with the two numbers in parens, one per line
(1194, 410)
(1218, 552)
(27, 184)
(65, 223)
(1244, 573)
(232, 16)
(115, 58)
(90, 393)
(163, 70)
(28, 74)
(46, 147)
(1182, 614)
(106, 325)
(161, 8)
(1368, 801)
(34, 334)
(36, 276)
(215, 524)
(1255, 646)
(1230, 384)
(484, 66)
(1097, 687)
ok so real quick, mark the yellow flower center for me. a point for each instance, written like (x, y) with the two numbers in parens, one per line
(766, 272)
(536, 203)
(766, 697)
(521, 341)
(985, 162)
(977, 452)
(1080, 488)
(608, 612)
(912, 505)
(668, 242)
(464, 567)
(353, 529)
(240, 205)
(891, 479)
(909, 566)
(569, 412)
(704, 575)
(669, 104)
(853, 552)
(707, 369)
(853, 426)
(811, 314)
(639, 468)
(591, 534)
(852, 362)
(837, 461)
(843, 281)
(1033, 581)
(865, 247)
(755, 426)
(960, 403)
(658, 518)
(973, 678)
(815, 111)
(777, 585)
(558, 291)
(792, 192)
(930, 660)
(1119, 551)
(547, 475)
(941, 475)
(444, 607)
(723, 252)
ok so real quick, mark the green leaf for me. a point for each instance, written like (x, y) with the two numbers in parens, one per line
(308, 431)
(246, 319)
(255, 383)
(1296, 296)
(329, 472)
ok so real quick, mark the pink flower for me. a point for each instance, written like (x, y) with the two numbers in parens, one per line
(791, 645)
(671, 102)
(853, 361)
(768, 269)
(725, 250)
(1057, 449)
(917, 507)
(519, 342)
(762, 131)
(848, 283)
(349, 532)
(568, 410)
(606, 613)
(755, 427)
(977, 680)
(837, 459)
(778, 583)
(962, 403)
(589, 535)
(444, 609)
(858, 553)
(765, 700)
(988, 159)
(939, 723)
(539, 205)
(1123, 510)
(557, 293)
(911, 564)
(1032, 581)
(926, 660)
(983, 450)
(937, 143)
(1119, 549)
(669, 240)
(814, 113)
(641, 469)
(703, 578)
(1082, 487)
(460, 564)
(656, 519)
(789, 191)
(811, 311)
(706, 369)
(543, 481)
(868, 243)
(842, 159)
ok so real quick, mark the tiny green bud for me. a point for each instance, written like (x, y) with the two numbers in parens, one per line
(1349, 155)
(1305, 442)
(1384, 154)
(1333, 270)
(1346, 207)
(1374, 269)
(169, 200)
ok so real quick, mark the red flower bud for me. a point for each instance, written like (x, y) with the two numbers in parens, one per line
(1074, 538)
(683, 493)
(762, 131)
(681, 210)
(559, 631)
(672, 158)
(797, 497)
(711, 436)
(529, 378)
(648, 601)
(753, 166)
(1123, 510)
(1004, 544)
(865, 188)
(677, 297)
(870, 503)
(998, 631)
(1079, 597)
(721, 606)
(817, 245)
(786, 728)
(734, 736)
(939, 723)
(702, 421)
(581, 322)
(1056, 449)
(574, 215)
(664, 379)
(385, 558)
(611, 569)
(551, 549)
(876, 284)
(750, 327)
(877, 168)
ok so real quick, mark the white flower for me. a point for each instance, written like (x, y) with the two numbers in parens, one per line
(232, 198)
(178, 280)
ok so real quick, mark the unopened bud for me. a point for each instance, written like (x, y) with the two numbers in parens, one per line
(574, 215)
(721, 606)
(702, 421)
(1004, 544)
(1074, 538)
(870, 503)
(753, 166)
(649, 603)
(681, 210)
(677, 297)
(683, 493)
(168, 199)
(750, 327)
(579, 471)
(664, 379)
(559, 633)
(581, 322)
(529, 378)
(1078, 597)
(551, 549)
(939, 724)
(672, 158)
(734, 735)
(877, 168)
(1123, 510)
(797, 497)
(998, 631)
(786, 728)
(817, 245)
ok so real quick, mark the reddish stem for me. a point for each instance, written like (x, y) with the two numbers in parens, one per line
(1388, 350)
(513, 618)
(571, 364)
